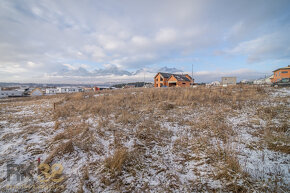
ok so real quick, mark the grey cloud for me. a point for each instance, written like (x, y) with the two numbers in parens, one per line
(134, 34)
(273, 46)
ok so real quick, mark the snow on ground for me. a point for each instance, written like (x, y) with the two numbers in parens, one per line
(22, 142)
(170, 158)
(261, 164)
(285, 92)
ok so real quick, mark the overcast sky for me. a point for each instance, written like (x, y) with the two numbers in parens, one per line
(109, 41)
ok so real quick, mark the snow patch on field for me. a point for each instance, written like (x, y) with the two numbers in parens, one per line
(164, 164)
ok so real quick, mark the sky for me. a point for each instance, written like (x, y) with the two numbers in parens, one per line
(103, 42)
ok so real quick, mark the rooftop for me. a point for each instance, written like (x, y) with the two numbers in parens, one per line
(181, 77)
(287, 67)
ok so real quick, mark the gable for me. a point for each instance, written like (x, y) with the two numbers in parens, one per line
(189, 77)
(172, 78)
(163, 75)
(37, 92)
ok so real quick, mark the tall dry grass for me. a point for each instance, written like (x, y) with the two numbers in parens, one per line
(82, 120)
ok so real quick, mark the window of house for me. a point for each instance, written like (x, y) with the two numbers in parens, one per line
(284, 80)
(284, 72)
(161, 79)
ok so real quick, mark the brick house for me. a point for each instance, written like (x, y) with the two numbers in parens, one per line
(162, 79)
(281, 73)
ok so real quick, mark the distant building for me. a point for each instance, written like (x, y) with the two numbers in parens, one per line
(10, 88)
(281, 73)
(11, 93)
(98, 88)
(229, 81)
(214, 83)
(69, 89)
(50, 91)
(36, 92)
(61, 90)
(177, 80)
(148, 85)
(267, 80)
(244, 81)
(161, 79)
(88, 89)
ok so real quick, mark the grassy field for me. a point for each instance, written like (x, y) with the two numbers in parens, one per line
(229, 139)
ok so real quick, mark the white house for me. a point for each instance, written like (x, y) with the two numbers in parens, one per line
(59, 90)
(69, 89)
(214, 83)
(266, 80)
(10, 93)
(51, 91)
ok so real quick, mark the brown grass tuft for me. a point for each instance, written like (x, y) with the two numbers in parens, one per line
(115, 163)
(64, 148)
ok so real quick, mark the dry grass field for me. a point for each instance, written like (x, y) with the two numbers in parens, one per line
(216, 139)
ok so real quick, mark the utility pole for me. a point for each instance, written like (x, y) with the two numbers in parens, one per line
(192, 71)
(144, 79)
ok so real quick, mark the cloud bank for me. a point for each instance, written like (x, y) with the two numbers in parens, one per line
(85, 41)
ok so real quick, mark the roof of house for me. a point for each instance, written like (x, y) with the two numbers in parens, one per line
(288, 67)
(180, 77)
(36, 89)
(165, 75)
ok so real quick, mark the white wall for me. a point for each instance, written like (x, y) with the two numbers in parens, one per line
(229, 81)
(263, 81)
(69, 89)
(10, 93)
(51, 91)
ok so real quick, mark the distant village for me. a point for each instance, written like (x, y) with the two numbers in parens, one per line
(280, 77)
